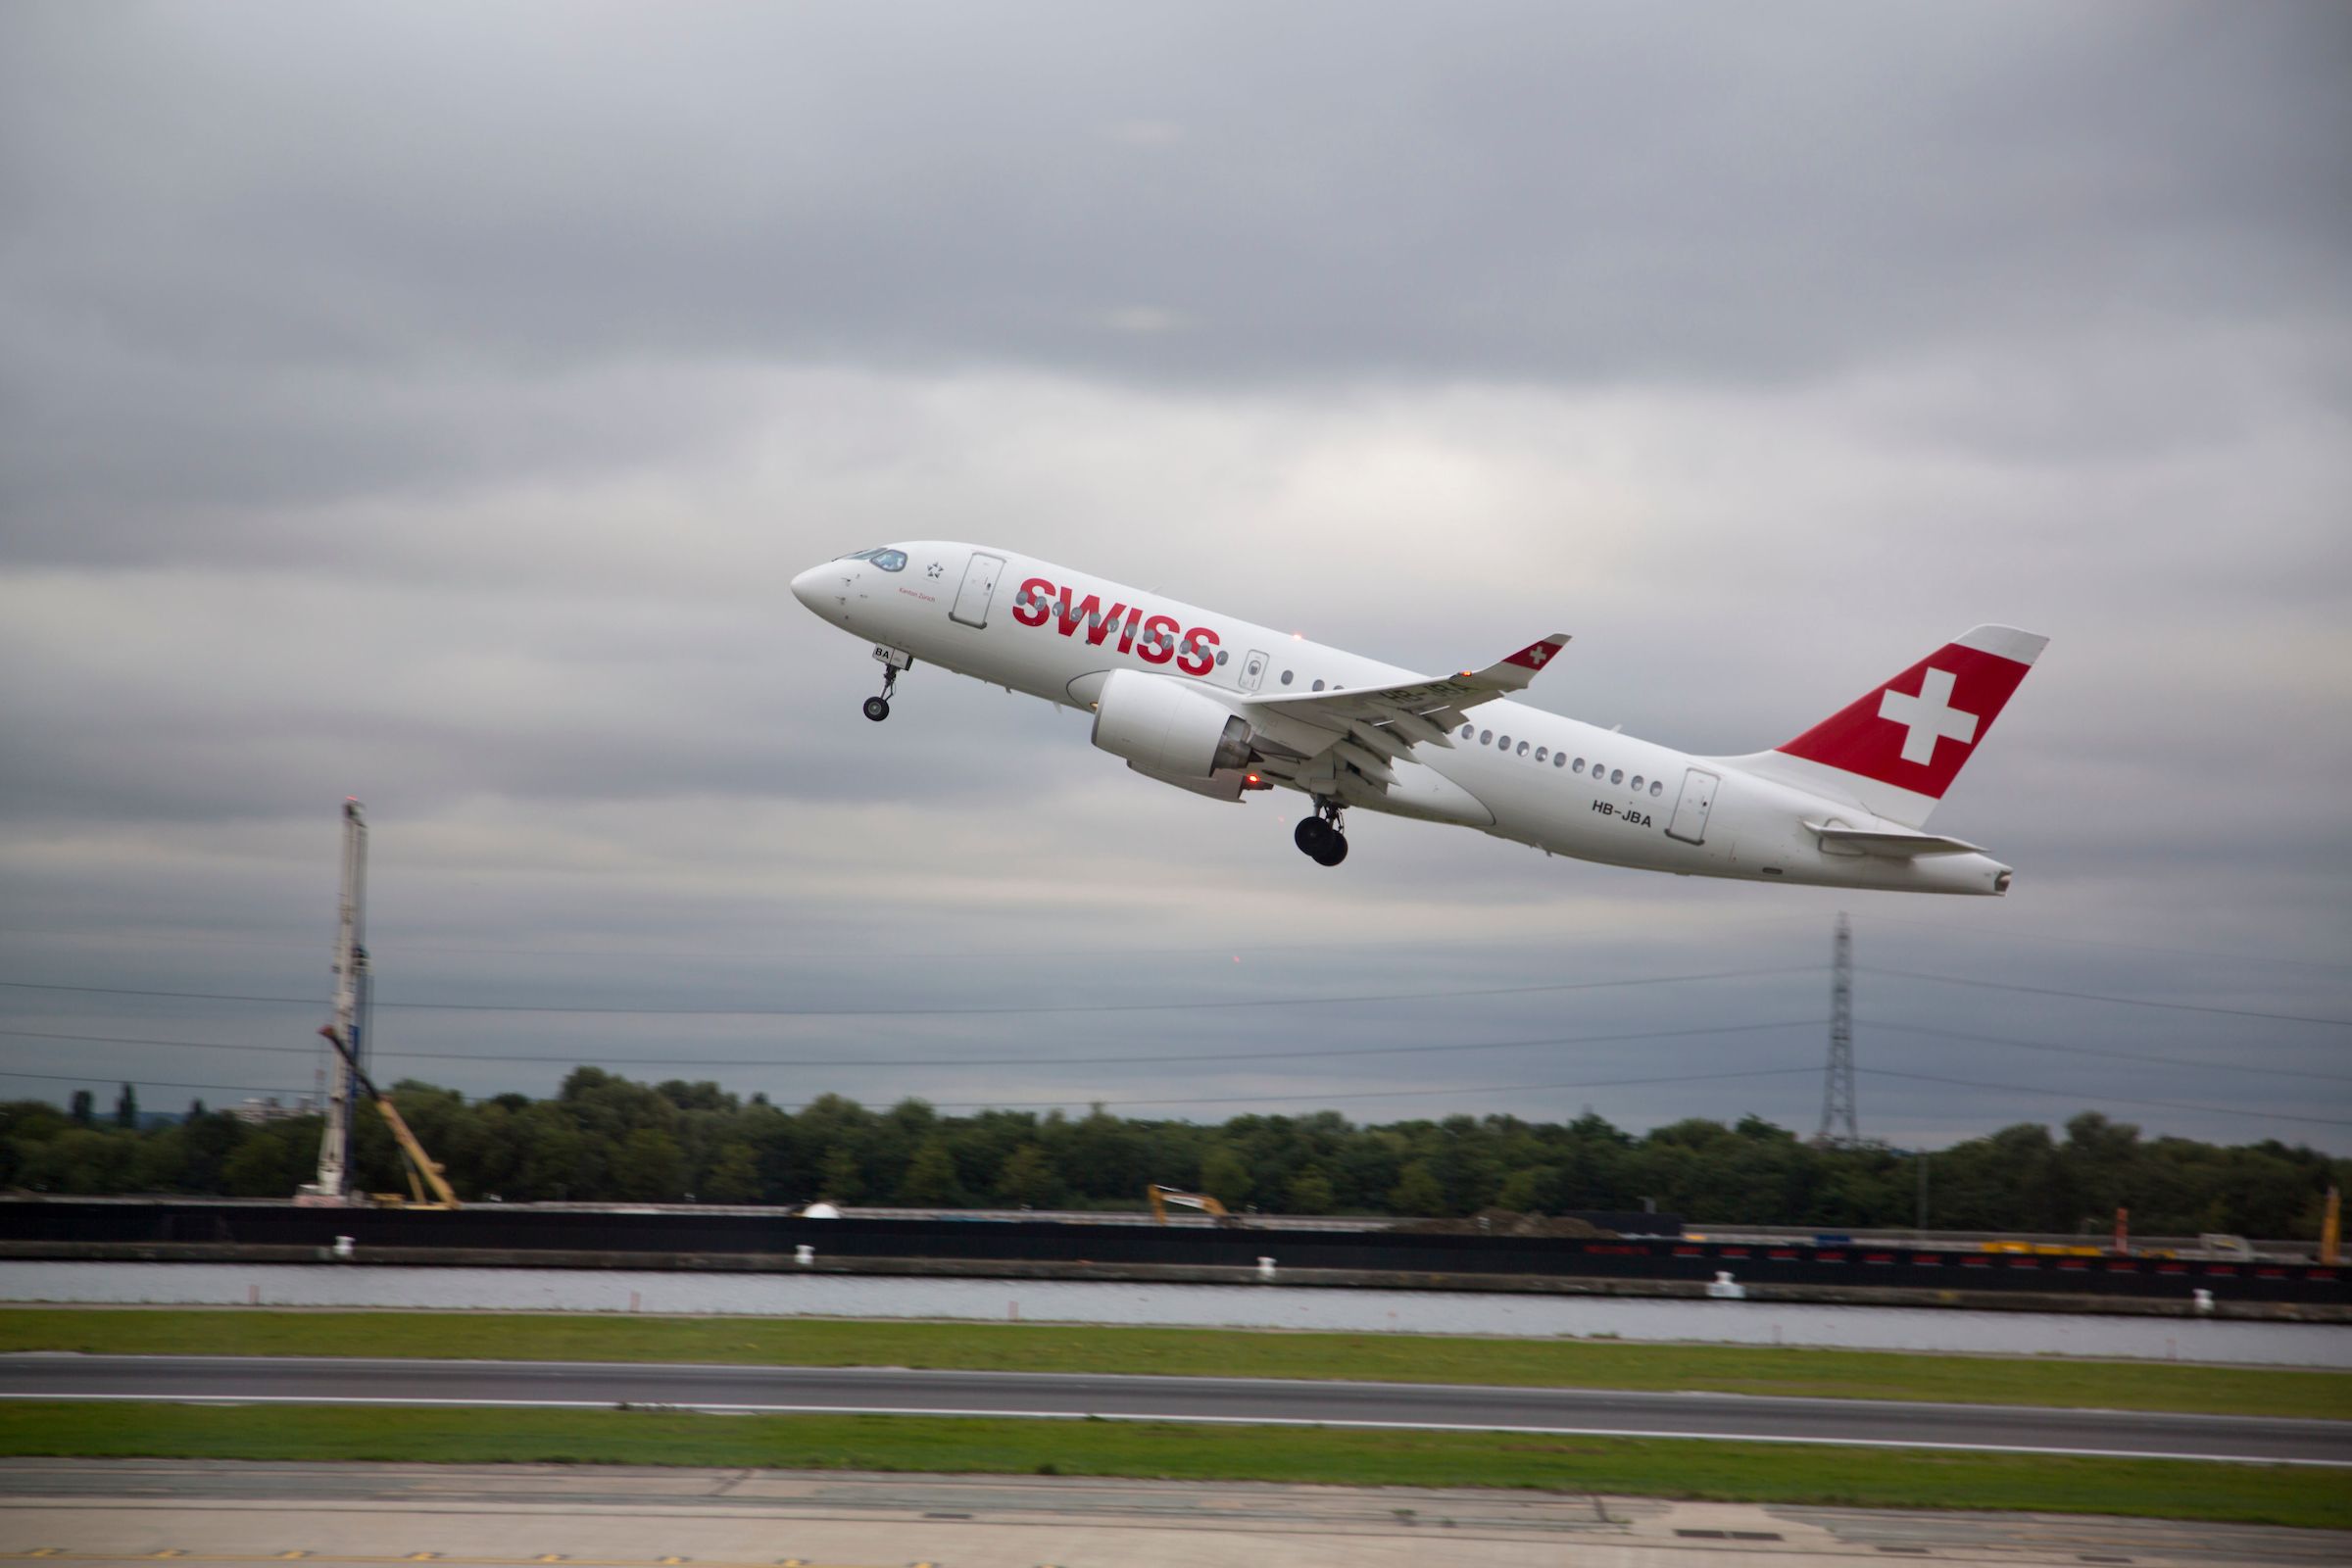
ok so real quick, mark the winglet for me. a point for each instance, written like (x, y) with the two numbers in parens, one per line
(1516, 673)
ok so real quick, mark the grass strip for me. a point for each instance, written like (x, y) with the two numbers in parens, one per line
(1727, 1472)
(1222, 1352)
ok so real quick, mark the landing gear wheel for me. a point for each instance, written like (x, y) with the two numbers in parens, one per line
(1320, 840)
(877, 708)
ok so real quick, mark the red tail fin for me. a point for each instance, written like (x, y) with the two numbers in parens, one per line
(1917, 730)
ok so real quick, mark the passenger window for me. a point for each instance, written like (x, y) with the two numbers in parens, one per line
(1657, 786)
(1504, 743)
(1636, 781)
(1319, 686)
(1541, 751)
(1286, 677)
(1523, 748)
(1560, 759)
(1616, 775)
(1220, 656)
(1579, 766)
(1485, 737)
(890, 560)
(1469, 730)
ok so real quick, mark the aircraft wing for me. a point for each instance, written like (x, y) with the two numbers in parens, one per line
(1365, 729)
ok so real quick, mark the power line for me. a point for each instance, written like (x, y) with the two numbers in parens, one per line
(2127, 1002)
(1153, 1059)
(1349, 947)
(2113, 1100)
(578, 1058)
(2100, 1050)
(935, 1012)
(1394, 1094)
(2016, 935)
(151, 1083)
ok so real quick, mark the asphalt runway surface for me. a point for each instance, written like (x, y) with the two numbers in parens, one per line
(216, 1513)
(1871, 1423)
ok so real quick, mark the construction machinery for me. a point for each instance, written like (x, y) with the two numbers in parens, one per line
(421, 1169)
(1162, 1197)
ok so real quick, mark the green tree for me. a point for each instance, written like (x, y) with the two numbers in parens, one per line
(649, 1167)
(1027, 1177)
(1225, 1176)
(127, 1109)
(1310, 1192)
(1418, 1191)
(1528, 1190)
(272, 1159)
(930, 1180)
(735, 1179)
(844, 1178)
(85, 1108)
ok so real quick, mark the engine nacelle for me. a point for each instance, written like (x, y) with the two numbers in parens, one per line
(1164, 726)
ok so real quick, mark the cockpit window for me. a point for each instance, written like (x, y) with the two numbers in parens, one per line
(882, 556)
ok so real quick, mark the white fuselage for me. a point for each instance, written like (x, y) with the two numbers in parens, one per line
(1614, 799)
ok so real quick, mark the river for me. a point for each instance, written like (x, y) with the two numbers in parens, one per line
(1251, 1307)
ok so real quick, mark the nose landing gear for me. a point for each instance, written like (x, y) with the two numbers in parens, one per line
(1319, 838)
(877, 708)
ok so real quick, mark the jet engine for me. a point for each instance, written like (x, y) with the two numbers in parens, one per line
(1166, 727)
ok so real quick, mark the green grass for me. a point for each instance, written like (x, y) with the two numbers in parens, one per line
(1720, 1471)
(1054, 1348)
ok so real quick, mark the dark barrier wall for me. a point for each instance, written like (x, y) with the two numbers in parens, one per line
(527, 1230)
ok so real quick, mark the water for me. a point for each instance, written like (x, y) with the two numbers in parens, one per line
(1251, 1306)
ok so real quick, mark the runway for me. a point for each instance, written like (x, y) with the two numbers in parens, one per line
(2009, 1429)
(82, 1512)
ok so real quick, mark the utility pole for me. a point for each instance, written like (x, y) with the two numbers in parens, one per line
(1838, 1128)
(332, 1189)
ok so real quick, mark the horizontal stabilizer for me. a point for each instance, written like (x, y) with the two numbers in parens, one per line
(1889, 846)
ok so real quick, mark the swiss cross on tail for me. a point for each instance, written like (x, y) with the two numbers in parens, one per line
(1916, 731)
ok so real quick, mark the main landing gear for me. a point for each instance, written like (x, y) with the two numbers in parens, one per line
(877, 708)
(1319, 838)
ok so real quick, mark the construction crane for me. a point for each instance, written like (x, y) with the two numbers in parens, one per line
(1162, 1197)
(421, 1169)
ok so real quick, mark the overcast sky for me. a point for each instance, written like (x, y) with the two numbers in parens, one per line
(432, 404)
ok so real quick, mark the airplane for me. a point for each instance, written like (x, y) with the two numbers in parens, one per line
(1224, 707)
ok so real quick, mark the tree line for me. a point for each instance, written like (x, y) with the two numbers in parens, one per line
(603, 1138)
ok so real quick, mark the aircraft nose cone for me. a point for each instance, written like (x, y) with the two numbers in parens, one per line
(808, 585)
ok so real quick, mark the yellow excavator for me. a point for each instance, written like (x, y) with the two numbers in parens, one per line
(420, 1168)
(1162, 1197)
